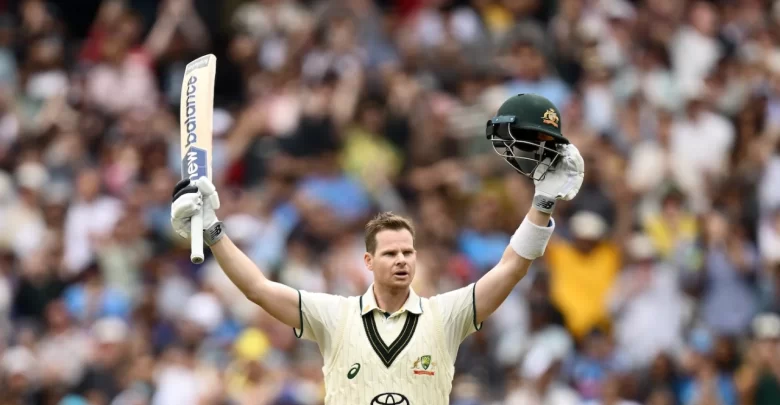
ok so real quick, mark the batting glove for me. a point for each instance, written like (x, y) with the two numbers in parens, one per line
(188, 198)
(561, 183)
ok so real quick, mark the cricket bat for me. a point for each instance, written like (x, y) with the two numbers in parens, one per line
(195, 119)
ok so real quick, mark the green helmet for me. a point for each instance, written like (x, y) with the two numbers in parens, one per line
(526, 132)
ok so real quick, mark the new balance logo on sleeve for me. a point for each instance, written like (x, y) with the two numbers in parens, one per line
(544, 204)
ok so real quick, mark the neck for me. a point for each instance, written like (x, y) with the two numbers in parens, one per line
(390, 300)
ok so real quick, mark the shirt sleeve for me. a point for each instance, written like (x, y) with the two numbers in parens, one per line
(320, 315)
(458, 314)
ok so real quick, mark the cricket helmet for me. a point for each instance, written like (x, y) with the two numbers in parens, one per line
(526, 132)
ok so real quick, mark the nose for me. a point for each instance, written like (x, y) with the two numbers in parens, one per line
(400, 259)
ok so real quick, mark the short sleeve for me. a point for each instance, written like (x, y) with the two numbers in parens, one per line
(319, 318)
(458, 314)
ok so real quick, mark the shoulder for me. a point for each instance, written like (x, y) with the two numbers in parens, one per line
(456, 294)
(457, 306)
(425, 303)
(323, 304)
(355, 301)
(320, 296)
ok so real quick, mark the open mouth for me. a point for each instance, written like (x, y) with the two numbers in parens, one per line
(402, 273)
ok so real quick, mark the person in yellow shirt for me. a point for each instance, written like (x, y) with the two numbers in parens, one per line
(247, 379)
(582, 272)
(673, 226)
(369, 156)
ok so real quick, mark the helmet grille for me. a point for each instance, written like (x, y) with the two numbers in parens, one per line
(520, 148)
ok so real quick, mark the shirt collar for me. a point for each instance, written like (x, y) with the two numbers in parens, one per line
(368, 303)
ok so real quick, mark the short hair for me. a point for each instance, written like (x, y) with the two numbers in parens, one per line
(382, 222)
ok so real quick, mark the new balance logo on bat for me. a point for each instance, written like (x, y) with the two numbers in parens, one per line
(191, 121)
(193, 163)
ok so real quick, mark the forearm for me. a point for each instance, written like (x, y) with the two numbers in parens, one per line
(239, 268)
(495, 286)
(538, 218)
(279, 300)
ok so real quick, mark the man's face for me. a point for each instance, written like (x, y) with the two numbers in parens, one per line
(394, 260)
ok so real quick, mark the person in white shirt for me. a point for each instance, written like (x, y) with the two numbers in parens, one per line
(541, 383)
(695, 50)
(700, 144)
(391, 346)
(647, 305)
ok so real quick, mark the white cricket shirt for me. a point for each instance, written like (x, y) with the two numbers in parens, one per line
(373, 358)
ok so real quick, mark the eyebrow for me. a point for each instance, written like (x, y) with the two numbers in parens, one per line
(390, 250)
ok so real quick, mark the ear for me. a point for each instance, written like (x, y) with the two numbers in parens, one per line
(368, 259)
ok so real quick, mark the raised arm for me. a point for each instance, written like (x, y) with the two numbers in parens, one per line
(279, 300)
(530, 239)
(495, 286)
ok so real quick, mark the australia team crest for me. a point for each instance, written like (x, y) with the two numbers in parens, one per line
(423, 366)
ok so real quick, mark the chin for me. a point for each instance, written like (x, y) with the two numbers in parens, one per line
(399, 284)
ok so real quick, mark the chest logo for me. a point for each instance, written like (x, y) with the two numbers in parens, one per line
(390, 398)
(353, 371)
(423, 366)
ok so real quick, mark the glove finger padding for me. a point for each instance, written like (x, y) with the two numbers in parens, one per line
(577, 183)
(572, 159)
(182, 226)
(208, 191)
(573, 166)
(562, 183)
(190, 197)
(186, 205)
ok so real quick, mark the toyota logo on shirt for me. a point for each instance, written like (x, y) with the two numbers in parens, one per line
(390, 398)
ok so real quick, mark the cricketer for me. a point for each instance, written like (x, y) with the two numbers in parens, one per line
(391, 346)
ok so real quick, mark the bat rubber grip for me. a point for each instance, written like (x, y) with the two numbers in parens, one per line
(196, 247)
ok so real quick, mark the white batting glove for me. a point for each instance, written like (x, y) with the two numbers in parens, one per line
(190, 197)
(561, 183)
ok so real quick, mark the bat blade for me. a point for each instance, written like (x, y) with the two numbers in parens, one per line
(195, 119)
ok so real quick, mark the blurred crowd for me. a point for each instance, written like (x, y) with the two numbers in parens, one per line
(661, 285)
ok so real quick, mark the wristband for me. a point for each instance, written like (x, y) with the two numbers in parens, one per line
(544, 204)
(530, 240)
(214, 233)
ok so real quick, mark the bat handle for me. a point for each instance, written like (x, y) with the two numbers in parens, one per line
(196, 240)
